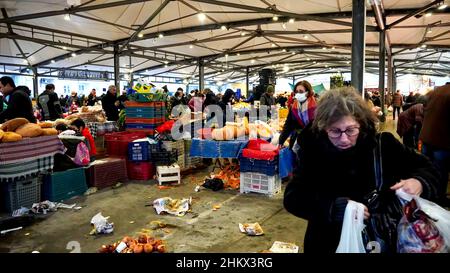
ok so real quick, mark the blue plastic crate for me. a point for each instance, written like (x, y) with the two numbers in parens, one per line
(267, 167)
(141, 151)
(60, 186)
(140, 126)
(140, 112)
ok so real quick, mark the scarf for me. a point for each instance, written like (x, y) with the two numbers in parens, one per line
(304, 112)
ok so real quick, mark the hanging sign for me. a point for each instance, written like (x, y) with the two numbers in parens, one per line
(83, 74)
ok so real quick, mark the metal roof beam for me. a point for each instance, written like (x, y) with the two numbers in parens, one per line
(418, 11)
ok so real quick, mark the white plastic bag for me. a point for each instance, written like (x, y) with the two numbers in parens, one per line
(352, 227)
(435, 212)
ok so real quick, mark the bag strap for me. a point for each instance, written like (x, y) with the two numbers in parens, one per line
(378, 163)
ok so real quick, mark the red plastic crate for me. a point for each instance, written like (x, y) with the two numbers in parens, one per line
(117, 143)
(139, 104)
(145, 120)
(107, 172)
(148, 132)
(140, 170)
(160, 104)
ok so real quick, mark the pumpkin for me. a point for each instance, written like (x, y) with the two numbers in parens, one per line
(148, 248)
(139, 248)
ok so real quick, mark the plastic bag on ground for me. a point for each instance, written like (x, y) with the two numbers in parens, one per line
(351, 235)
(101, 224)
(177, 207)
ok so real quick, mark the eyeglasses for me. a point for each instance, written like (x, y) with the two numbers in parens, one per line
(337, 133)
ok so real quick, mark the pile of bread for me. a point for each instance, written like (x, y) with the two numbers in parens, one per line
(234, 130)
(19, 128)
(89, 114)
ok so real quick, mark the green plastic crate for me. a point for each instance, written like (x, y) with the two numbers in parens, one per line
(60, 186)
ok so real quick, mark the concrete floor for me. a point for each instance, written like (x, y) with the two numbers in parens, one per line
(203, 230)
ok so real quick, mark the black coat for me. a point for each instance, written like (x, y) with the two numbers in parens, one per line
(326, 175)
(49, 104)
(108, 105)
(19, 106)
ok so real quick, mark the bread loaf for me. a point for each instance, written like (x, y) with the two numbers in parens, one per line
(13, 124)
(11, 137)
(1, 134)
(46, 124)
(49, 132)
(29, 130)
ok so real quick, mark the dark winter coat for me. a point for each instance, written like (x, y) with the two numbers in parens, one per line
(49, 104)
(19, 106)
(326, 176)
(108, 105)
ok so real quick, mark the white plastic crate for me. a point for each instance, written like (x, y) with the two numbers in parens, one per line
(260, 183)
(165, 174)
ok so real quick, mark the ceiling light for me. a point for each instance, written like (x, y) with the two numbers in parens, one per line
(140, 35)
(223, 27)
(273, 66)
(283, 25)
(348, 62)
(428, 14)
(305, 36)
(333, 48)
(285, 68)
(293, 53)
(67, 17)
(166, 62)
(291, 21)
(273, 45)
(326, 65)
(222, 70)
(275, 18)
(201, 16)
(243, 33)
(324, 48)
(424, 46)
(161, 35)
(74, 54)
(191, 46)
(443, 6)
(65, 48)
(253, 61)
(25, 61)
(308, 59)
(165, 65)
(417, 62)
(53, 61)
(284, 50)
(239, 54)
(315, 62)
(429, 31)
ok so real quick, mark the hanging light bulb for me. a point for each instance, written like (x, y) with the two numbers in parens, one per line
(283, 26)
(275, 18)
(201, 16)
(140, 35)
(291, 21)
(161, 35)
(223, 27)
(67, 17)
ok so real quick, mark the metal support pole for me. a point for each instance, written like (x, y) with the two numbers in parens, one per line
(201, 75)
(394, 79)
(293, 82)
(116, 67)
(358, 43)
(247, 74)
(390, 77)
(131, 74)
(382, 67)
(35, 81)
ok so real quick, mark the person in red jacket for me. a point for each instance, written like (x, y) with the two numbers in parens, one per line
(81, 127)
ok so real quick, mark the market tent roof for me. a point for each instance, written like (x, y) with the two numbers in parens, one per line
(164, 37)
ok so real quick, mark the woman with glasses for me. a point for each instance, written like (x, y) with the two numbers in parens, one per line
(337, 165)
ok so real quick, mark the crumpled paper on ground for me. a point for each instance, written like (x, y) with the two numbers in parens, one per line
(48, 206)
(282, 247)
(101, 224)
(251, 229)
(172, 206)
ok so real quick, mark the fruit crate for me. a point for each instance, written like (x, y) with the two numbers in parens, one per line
(260, 183)
(117, 143)
(60, 186)
(107, 172)
(164, 157)
(21, 193)
(166, 174)
(140, 170)
(267, 167)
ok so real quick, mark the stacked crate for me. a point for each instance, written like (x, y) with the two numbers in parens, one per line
(190, 162)
(139, 166)
(60, 186)
(178, 146)
(259, 176)
(144, 116)
(21, 193)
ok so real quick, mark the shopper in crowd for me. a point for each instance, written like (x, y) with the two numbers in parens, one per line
(84, 131)
(337, 165)
(410, 123)
(267, 98)
(110, 104)
(282, 99)
(397, 102)
(49, 104)
(196, 102)
(301, 113)
(18, 101)
(435, 135)
(122, 99)
(225, 104)
(376, 99)
(410, 98)
(92, 98)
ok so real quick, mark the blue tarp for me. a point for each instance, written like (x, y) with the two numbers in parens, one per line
(286, 162)
(217, 149)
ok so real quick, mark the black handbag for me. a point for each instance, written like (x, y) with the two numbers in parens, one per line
(380, 234)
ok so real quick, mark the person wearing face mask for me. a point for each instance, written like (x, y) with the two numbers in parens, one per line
(337, 164)
(301, 112)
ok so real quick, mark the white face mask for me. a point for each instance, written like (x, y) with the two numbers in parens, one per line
(301, 97)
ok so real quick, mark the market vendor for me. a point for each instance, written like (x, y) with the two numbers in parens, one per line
(110, 104)
(18, 101)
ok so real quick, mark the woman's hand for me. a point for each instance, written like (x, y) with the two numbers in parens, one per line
(411, 186)
(366, 213)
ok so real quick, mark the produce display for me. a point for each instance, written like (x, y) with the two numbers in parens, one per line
(143, 244)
